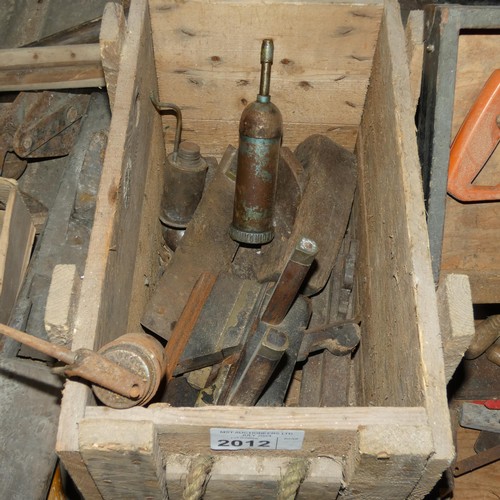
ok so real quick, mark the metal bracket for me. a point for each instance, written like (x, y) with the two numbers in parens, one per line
(443, 24)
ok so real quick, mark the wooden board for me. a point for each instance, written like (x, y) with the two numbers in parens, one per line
(456, 319)
(16, 239)
(58, 67)
(400, 359)
(471, 244)
(213, 69)
(111, 37)
(126, 225)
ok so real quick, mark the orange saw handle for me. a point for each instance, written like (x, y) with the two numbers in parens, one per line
(473, 145)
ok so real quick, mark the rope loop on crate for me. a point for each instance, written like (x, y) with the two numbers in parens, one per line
(197, 477)
(291, 480)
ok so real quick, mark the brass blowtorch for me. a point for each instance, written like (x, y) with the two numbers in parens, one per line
(258, 157)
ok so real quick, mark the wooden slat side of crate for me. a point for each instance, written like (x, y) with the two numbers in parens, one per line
(323, 59)
(400, 362)
(366, 442)
(123, 259)
(393, 449)
(17, 234)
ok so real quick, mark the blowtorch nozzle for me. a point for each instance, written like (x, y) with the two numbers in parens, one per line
(266, 61)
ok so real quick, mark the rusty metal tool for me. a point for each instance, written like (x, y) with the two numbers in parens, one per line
(184, 328)
(39, 125)
(290, 281)
(123, 373)
(243, 381)
(260, 132)
(292, 181)
(229, 322)
(323, 213)
(205, 247)
(476, 461)
(217, 325)
(287, 312)
(339, 339)
(260, 368)
(479, 417)
(473, 145)
(325, 376)
(185, 174)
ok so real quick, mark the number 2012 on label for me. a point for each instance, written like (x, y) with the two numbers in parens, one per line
(250, 443)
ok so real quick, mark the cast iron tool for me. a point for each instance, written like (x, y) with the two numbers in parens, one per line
(124, 373)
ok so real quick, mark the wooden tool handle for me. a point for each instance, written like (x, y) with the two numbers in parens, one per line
(187, 321)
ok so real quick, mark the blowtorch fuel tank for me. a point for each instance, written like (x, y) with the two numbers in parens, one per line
(258, 157)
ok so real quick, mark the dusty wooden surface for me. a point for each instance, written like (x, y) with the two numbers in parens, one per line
(125, 225)
(321, 50)
(456, 319)
(400, 317)
(16, 240)
(111, 38)
(328, 430)
(481, 484)
(471, 244)
(124, 461)
(60, 302)
(414, 37)
(59, 67)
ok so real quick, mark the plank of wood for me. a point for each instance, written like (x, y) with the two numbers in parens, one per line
(59, 304)
(59, 67)
(396, 290)
(471, 243)
(213, 136)
(111, 38)
(125, 224)
(125, 462)
(16, 240)
(383, 452)
(456, 319)
(414, 37)
(328, 431)
(211, 79)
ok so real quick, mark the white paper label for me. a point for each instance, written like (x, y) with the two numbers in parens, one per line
(255, 439)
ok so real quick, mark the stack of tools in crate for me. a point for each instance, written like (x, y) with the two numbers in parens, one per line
(248, 292)
(260, 276)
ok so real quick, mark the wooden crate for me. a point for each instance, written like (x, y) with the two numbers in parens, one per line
(340, 70)
(17, 234)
